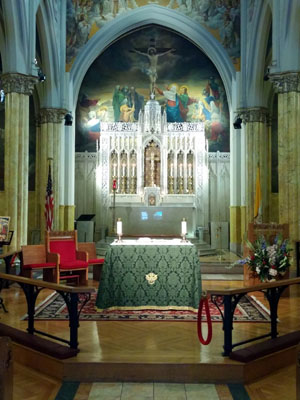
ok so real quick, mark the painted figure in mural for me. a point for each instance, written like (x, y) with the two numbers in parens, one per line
(118, 98)
(126, 94)
(152, 54)
(93, 124)
(136, 101)
(185, 101)
(173, 103)
(126, 113)
(115, 7)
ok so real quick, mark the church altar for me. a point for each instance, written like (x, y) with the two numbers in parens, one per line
(150, 273)
(152, 175)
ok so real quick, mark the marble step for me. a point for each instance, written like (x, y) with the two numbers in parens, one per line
(221, 268)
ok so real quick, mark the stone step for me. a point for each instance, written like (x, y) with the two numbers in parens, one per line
(221, 268)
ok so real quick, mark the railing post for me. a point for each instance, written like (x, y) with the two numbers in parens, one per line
(74, 320)
(227, 325)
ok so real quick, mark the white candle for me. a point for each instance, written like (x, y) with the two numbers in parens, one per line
(171, 169)
(115, 170)
(183, 227)
(133, 170)
(190, 169)
(119, 227)
(180, 169)
(123, 169)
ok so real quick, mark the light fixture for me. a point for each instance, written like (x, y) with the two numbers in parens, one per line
(41, 75)
(183, 229)
(237, 124)
(119, 229)
(68, 119)
(2, 96)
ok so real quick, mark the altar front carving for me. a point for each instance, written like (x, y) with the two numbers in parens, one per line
(154, 164)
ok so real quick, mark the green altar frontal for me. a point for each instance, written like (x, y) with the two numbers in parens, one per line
(160, 274)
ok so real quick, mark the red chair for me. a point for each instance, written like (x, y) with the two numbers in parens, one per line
(97, 263)
(33, 257)
(61, 247)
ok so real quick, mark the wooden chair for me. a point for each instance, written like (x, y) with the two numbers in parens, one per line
(33, 257)
(97, 263)
(61, 247)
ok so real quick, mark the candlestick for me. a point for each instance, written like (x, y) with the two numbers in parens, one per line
(119, 228)
(183, 229)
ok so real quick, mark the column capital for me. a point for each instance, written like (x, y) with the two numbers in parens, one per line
(18, 83)
(254, 114)
(54, 115)
(286, 81)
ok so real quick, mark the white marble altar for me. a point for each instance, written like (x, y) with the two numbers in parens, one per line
(160, 169)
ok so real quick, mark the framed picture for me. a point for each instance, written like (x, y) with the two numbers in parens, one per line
(4, 228)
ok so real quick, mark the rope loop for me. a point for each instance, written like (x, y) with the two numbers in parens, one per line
(204, 302)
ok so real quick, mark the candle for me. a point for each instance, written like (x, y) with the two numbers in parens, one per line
(183, 227)
(189, 169)
(171, 169)
(133, 170)
(119, 227)
(180, 169)
(115, 170)
(124, 165)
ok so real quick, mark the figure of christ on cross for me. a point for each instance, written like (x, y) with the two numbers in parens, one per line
(152, 160)
(152, 53)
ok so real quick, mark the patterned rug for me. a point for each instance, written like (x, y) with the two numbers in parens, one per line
(54, 308)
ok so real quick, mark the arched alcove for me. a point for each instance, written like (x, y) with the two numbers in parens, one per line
(119, 82)
(152, 15)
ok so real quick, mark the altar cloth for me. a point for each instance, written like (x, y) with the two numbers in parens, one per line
(151, 273)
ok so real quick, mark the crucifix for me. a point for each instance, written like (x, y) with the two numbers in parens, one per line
(152, 159)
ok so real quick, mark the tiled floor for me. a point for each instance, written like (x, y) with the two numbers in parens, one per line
(151, 391)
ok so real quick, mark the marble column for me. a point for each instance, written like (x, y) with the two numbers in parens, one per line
(51, 131)
(17, 88)
(257, 153)
(288, 87)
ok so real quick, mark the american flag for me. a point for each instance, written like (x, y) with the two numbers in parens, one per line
(49, 203)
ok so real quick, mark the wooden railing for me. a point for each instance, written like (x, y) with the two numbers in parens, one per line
(70, 294)
(230, 298)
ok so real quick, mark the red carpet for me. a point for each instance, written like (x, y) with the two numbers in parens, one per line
(54, 308)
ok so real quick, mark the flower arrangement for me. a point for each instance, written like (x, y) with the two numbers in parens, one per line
(268, 261)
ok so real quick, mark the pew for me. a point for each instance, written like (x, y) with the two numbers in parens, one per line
(73, 297)
(230, 298)
(6, 369)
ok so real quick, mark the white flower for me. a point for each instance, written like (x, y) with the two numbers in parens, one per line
(273, 272)
(257, 269)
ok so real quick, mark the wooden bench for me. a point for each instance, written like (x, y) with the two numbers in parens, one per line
(33, 257)
(230, 298)
(32, 288)
(97, 263)
(6, 369)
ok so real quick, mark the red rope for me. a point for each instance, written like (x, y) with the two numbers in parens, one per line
(204, 302)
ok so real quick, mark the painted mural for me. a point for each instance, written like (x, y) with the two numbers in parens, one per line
(220, 17)
(152, 61)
